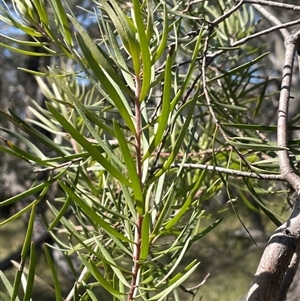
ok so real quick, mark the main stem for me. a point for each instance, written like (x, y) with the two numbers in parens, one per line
(138, 226)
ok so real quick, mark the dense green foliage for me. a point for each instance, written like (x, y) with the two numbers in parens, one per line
(130, 122)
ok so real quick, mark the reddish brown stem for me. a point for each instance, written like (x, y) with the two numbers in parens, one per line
(138, 230)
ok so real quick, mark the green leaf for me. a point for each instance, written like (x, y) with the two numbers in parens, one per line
(86, 115)
(113, 265)
(63, 210)
(8, 287)
(41, 11)
(236, 70)
(165, 112)
(22, 51)
(145, 237)
(179, 140)
(96, 56)
(165, 32)
(62, 19)
(261, 204)
(94, 270)
(190, 72)
(31, 273)
(116, 95)
(95, 154)
(92, 214)
(132, 172)
(33, 133)
(25, 155)
(120, 59)
(27, 240)
(160, 296)
(146, 58)
(53, 268)
(187, 203)
(31, 191)
(124, 28)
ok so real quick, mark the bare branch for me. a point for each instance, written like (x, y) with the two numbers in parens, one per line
(276, 258)
(263, 32)
(272, 18)
(275, 272)
(283, 155)
(289, 276)
(272, 3)
(233, 172)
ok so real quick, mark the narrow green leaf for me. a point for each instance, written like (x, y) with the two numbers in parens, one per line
(95, 154)
(25, 155)
(161, 296)
(179, 140)
(92, 214)
(165, 112)
(187, 203)
(256, 147)
(31, 273)
(180, 274)
(165, 33)
(61, 213)
(132, 172)
(62, 19)
(53, 268)
(150, 20)
(27, 240)
(206, 230)
(176, 263)
(86, 115)
(190, 72)
(42, 11)
(228, 106)
(10, 20)
(119, 58)
(236, 70)
(109, 85)
(98, 56)
(26, 142)
(16, 285)
(94, 270)
(145, 237)
(22, 51)
(261, 204)
(8, 286)
(112, 264)
(146, 57)
(125, 30)
(31, 191)
(25, 43)
(34, 133)
(164, 211)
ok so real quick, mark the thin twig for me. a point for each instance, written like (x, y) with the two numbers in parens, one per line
(263, 32)
(285, 33)
(233, 172)
(272, 4)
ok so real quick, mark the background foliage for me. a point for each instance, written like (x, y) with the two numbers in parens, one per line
(128, 106)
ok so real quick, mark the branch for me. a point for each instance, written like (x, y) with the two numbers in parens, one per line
(272, 3)
(276, 258)
(272, 18)
(286, 169)
(276, 268)
(233, 172)
(289, 276)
